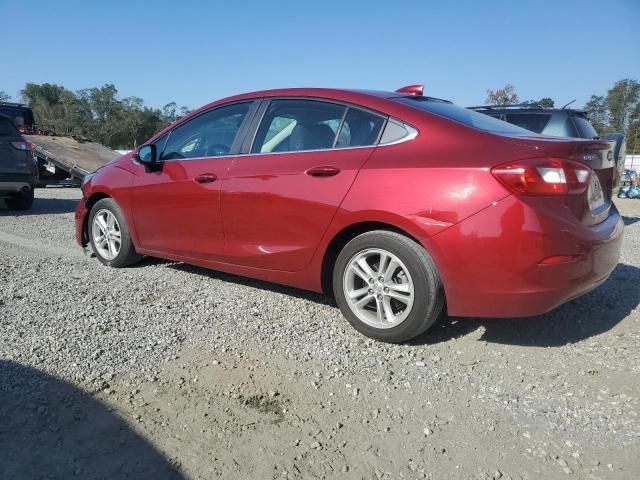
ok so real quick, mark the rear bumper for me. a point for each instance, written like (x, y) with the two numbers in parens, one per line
(490, 263)
(16, 182)
(81, 218)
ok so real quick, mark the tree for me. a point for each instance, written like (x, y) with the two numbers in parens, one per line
(618, 111)
(622, 101)
(55, 107)
(598, 113)
(4, 96)
(502, 96)
(544, 102)
(98, 114)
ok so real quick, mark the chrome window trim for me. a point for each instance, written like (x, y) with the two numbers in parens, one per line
(406, 138)
(412, 133)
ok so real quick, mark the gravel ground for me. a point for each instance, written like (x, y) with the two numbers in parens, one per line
(170, 371)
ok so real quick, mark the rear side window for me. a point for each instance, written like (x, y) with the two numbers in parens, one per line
(7, 128)
(359, 129)
(462, 115)
(296, 125)
(21, 116)
(536, 122)
(207, 135)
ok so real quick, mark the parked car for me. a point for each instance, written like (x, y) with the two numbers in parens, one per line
(400, 205)
(557, 122)
(18, 170)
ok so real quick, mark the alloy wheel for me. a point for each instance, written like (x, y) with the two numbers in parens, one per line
(107, 236)
(378, 288)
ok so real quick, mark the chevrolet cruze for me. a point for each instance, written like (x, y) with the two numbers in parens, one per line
(400, 205)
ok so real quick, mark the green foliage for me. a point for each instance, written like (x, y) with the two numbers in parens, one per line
(98, 114)
(503, 96)
(622, 101)
(618, 111)
(596, 109)
(546, 102)
(4, 96)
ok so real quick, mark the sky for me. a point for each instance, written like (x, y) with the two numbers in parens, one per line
(194, 52)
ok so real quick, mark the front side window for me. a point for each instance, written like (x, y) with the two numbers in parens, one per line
(297, 125)
(208, 135)
(160, 144)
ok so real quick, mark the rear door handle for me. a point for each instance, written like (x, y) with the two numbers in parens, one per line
(206, 178)
(323, 171)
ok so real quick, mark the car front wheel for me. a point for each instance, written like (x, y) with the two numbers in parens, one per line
(387, 286)
(109, 235)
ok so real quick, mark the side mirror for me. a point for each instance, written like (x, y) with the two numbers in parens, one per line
(147, 154)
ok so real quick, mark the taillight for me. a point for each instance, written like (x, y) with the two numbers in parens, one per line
(21, 145)
(544, 176)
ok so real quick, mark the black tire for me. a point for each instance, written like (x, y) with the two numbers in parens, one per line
(22, 201)
(427, 306)
(127, 254)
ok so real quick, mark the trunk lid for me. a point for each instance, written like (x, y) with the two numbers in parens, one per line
(593, 206)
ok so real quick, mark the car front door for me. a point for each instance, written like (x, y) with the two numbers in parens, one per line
(176, 202)
(279, 199)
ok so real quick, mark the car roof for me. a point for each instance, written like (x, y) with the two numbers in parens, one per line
(344, 95)
(372, 99)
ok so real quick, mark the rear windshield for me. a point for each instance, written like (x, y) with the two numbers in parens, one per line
(22, 117)
(462, 115)
(7, 128)
(585, 129)
(531, 121)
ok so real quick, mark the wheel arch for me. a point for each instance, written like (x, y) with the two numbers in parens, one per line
(89, 203)
(344, 236)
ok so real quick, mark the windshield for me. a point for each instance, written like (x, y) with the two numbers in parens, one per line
(464, 116)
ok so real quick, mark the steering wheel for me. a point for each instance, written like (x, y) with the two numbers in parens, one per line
(217, 149)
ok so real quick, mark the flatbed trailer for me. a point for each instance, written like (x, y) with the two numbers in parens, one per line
(65, 160)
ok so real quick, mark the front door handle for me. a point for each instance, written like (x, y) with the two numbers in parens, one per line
(323, 171)
(206, 178)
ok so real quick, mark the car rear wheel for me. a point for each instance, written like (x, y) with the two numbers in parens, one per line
(22, 201)
(387, 286)
(109, 235)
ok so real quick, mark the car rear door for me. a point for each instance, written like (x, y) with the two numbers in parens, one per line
(279, 198)
(175, 203)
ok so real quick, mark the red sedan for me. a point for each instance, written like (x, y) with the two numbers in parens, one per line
(400, 205)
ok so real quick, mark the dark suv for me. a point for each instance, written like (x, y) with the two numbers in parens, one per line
(557, 122)
(18, 170)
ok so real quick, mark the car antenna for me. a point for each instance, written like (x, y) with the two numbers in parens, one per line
(568, 104)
